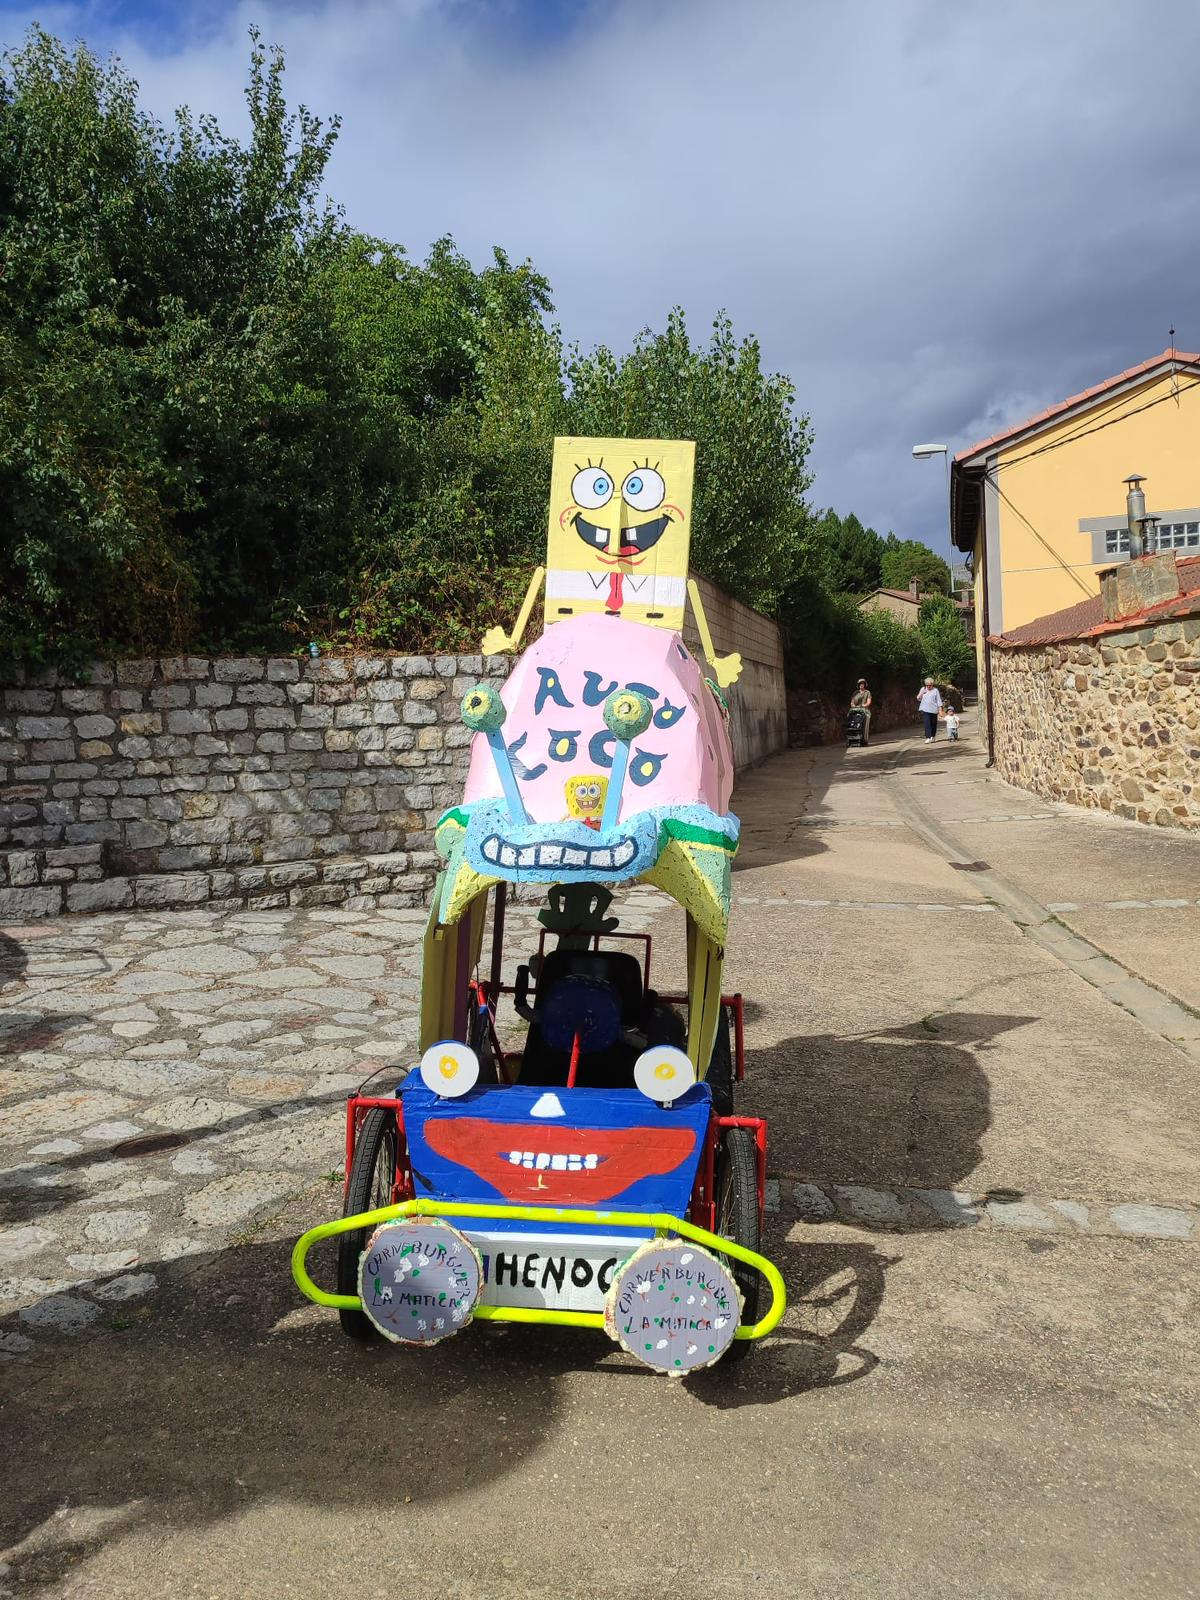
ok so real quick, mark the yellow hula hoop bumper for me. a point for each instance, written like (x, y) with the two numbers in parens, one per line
(659, 1221)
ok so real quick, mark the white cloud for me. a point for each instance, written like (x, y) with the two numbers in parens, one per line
(936, 217)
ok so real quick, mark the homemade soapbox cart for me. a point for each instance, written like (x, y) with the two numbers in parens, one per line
(593, 1173)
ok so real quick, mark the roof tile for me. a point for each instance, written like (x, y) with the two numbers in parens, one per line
(1086, 618)
(1165, 358)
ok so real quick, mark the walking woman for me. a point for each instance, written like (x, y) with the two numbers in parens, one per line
(929, 703)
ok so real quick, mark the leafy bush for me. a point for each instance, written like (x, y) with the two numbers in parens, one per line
(227, 420)
(906, 559)
(949, 654)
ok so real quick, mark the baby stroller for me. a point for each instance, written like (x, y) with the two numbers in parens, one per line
(856, 727)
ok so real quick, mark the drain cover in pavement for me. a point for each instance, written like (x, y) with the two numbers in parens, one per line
(150, 1144)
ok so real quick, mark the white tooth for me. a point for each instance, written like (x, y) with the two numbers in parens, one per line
(508, 856)
(574, 1163)
(624, 852)
(541, 1161)
(527, 1159)
(549, 855)
(600, 535)
(600, 858)
(574, 858)
(527, 856)
(591, 1162)
(491, 848)
(515, 1157)
(558, 1163)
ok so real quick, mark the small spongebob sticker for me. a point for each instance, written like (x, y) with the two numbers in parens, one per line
(586, 793)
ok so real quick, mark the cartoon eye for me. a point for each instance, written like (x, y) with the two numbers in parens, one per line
(644, 767)
(667, 715)
(591, 487)
(563, 746)
(643, 489)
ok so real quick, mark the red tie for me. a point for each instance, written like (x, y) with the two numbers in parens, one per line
(616, 595)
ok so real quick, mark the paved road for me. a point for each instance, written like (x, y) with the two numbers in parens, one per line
(970, 1030)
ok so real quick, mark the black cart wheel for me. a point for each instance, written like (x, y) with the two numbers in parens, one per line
(719, 1076)
(370, 1187)
(737, 1219)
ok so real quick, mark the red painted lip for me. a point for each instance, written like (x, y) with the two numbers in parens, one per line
(624, 1155)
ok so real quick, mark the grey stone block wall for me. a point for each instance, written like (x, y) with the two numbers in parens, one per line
(266, 781)
(239, 781)
(1110, 721)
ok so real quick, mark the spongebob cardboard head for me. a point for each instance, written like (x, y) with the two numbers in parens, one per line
(620, 528)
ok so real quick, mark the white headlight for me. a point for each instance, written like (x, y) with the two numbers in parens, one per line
(663, 1073)
(449, 1068)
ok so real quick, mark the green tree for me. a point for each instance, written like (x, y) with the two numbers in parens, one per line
(229, 420)
(949, 654)
(906, 559)
(849, 556)
(749, 518)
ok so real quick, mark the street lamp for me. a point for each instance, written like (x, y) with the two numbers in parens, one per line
(922, 452)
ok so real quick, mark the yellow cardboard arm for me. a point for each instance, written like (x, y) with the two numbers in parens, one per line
(495, 641)
(727, 668)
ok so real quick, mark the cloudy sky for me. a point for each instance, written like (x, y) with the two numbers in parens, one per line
(936, 215)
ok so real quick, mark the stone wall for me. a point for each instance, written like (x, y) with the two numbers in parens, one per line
(263, 781)
(236, 781)
(1111, 721)
(758, 717)
(816, 718)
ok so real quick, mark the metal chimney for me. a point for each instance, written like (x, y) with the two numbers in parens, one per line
(1150, 534)
(1135, 512)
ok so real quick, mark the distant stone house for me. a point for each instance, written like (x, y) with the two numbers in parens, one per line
(1099, 704)
(905, 605)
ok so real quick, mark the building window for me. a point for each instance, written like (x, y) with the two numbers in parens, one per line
(1179, 536)
(1171, 536)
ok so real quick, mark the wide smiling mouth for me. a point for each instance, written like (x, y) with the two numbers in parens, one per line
(635, 541)
(554, 853)
(550, 1166)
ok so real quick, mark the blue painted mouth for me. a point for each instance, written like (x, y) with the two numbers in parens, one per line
(563, 852)
(559, 851)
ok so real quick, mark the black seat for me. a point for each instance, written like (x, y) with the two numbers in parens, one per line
(581, 990)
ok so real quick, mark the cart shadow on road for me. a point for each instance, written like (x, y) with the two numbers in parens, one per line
(865, 1119)
(225, 1391)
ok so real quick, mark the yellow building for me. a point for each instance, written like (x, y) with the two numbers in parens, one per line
(1041, 506)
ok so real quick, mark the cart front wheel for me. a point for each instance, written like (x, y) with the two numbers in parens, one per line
(370, 1187)
(738, 1219)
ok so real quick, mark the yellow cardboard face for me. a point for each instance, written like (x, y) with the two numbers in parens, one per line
(620, 528)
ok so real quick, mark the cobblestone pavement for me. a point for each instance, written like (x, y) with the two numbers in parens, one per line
(168, 1081)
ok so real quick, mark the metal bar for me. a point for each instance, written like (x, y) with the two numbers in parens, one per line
(462, 966)
(573, 1067)
(739, 1036)
(500, 904)
(655, 1221)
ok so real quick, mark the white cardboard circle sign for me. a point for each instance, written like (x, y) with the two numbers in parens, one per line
(674, 1306)
(449, 1068)
(663, 1073)
(419, 1280)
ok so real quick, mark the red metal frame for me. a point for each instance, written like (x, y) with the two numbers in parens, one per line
(357, 1107)
(703, 1209)
(483, 994)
